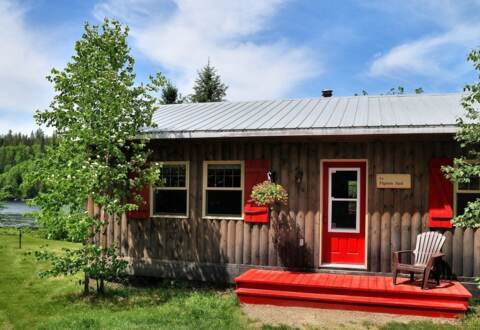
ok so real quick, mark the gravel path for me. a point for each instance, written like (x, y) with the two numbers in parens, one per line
(307, 318)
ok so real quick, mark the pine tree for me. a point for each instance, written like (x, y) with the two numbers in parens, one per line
(208, 86)
(170, 94)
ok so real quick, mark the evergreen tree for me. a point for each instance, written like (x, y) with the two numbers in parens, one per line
(17, 154)
(208, 86)
(170, 94)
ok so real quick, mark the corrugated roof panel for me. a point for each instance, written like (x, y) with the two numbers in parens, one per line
(418, 108)
(350, 112)
(426, 113)
(290, 114)
(271, 119)
(262, 115)
(402, 113)
(226, 110)
(303, 113)
(169, 111)
(448, 105)
(361, 115)
(187, 122)
(245, 110)
(312, 116)
(387, 112)
(338, 113)
(175, 117)
(374, 115)
(322, 119)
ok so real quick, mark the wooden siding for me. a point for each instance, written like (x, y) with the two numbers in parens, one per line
(395, 216)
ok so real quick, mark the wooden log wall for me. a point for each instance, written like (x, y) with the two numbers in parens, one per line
(395, 217)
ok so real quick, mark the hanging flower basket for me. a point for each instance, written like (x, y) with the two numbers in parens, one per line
(269, 194)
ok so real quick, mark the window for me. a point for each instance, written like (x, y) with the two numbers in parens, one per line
(466, 192)
(170, 197)
(223, 189)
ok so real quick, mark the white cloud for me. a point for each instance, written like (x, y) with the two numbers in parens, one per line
(437, 56)
(429, 56)
(182, 34)
(24, 63)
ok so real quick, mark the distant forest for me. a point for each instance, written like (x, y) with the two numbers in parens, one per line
(17, 153)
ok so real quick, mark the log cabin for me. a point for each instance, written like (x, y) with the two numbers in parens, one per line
(362, 174)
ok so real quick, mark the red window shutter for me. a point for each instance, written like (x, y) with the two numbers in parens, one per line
(143, 211)
(440, 197)
(255, 172)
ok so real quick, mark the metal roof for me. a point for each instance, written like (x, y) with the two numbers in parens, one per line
(344, 115)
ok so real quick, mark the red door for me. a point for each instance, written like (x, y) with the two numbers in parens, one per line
(343, 212)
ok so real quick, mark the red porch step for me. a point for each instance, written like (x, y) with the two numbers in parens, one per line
(351, 292)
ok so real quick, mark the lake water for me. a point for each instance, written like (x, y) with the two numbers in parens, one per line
(15, 214)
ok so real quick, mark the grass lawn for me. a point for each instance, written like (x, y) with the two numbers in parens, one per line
(28, 302)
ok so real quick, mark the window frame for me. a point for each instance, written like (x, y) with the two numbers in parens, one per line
(456, 190)
(187, 189)
(205, 187)
(331, 199)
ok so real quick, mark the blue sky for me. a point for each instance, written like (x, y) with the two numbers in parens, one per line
(267, 49)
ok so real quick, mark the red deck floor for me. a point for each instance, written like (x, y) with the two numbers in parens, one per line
(351, 292)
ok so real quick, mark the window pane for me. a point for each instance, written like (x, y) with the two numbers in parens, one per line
(173, 175)
(228, 181)
(462, 201)
(171, 202)
(211, 180)
(224, 175)
(344, 214)
(236, 181)
(344, 184)
(181, 181)
(474, 184)
(224, 202)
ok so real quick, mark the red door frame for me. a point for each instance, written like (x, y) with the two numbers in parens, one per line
(359, 238)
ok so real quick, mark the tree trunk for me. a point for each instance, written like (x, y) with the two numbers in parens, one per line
(90, 212)
(86, 285)
(101, 288)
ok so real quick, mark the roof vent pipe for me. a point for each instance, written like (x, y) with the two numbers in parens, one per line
(327, 93)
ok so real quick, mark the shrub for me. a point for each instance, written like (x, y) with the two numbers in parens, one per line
(100, 264)
(269, 193)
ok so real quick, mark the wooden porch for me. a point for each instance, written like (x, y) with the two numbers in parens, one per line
(352, 292)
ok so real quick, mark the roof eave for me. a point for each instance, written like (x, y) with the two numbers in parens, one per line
(394, 130)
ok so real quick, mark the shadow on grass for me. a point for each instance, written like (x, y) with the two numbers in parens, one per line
(161, 307)
(141, 292)
(79, 324)
(278, 327)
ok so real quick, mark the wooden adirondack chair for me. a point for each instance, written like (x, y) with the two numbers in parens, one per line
(427, 252)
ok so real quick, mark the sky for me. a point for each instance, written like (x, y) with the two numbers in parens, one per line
(268, 49)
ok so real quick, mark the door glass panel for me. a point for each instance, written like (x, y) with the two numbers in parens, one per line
(344, 215)
(344, 184)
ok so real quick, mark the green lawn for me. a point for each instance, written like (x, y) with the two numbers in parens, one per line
(28, 302)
